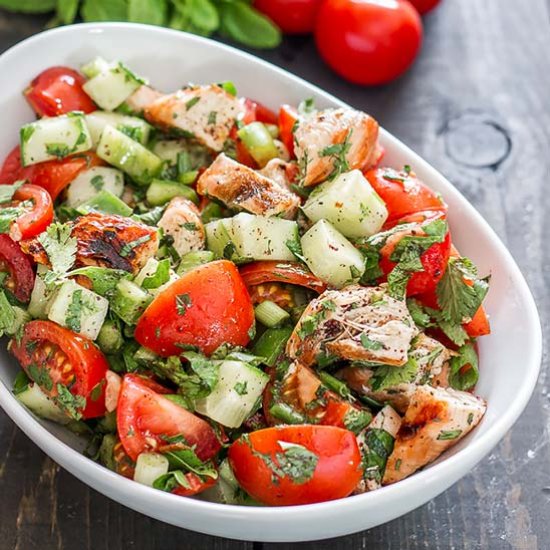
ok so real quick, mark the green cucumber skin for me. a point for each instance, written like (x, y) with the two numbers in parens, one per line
(129, 301)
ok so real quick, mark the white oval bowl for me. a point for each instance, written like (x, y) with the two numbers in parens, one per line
(510, 356)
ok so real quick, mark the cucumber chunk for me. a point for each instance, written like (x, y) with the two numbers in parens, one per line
(110, 338)
(106, 203)
(260, 238)
(238, 389)
(134, 127)
(54, 138)
(160, 192)
(155, 276)
(218, 239)
(128, 155)
(93, 180)
(78, 309)
(129, 301)
(94, 67)
(258, 142)
(349, 203)
(149, 467)
(41, 405)
(331, 256)
(111, 84)
(41, 296)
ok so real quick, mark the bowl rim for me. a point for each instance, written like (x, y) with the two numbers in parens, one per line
(472, 453)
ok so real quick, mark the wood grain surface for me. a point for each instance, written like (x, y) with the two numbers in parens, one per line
(477, 106)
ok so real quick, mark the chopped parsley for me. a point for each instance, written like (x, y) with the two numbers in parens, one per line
(41, 376)
(60, 248)
(338, 152)
(192, 102)
(97, 182)
(464, 368)
(212, 116)
(387, 376)
(448, 435)
(71, 404)
(183, 301)
(376, 446)
(7, 314)
(190, 226)
(128, 247)
(369, 344)
(59, 150)
(241, 388)
(356, 420)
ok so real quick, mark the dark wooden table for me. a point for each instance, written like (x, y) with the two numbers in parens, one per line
(477, 106)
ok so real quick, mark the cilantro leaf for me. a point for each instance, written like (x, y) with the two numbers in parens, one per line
(387, 376)
(464, 369)
(369, 344)
(7, 314)
(460, 292)
(376, 446)
(60, 248)
(71, 404)
(338, 153)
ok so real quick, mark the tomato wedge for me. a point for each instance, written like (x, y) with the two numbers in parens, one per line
(52, 175)
(288, 116)
(58, 90)
(293, 465)
(35, 220)
(20, 281)
(196, 485)
(479, 325)
(67, 366)
(207, 307)
(145, 416)
(256, 111)
(292, 273)
(403, 193)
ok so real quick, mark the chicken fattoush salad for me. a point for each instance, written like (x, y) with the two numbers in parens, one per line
(231, 301)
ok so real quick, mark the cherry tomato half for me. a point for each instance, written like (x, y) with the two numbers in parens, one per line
(424, 6)
(293, 273)
(368, 42)
(20, 281)
(52, 175)
(145, 416)
(330, 458)
(58, 90)
(37, 218)
(59, 360)
(207, 307)
(403, 193)
(291, 16)
(288, 116)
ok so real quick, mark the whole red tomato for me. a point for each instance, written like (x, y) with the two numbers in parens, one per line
(368, 41)
(292, 16)
(424, 6)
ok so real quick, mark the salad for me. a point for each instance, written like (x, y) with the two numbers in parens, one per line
(227, 300)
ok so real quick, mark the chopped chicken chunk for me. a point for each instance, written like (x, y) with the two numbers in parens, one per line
(279, 171)
(436, 419)
(428, 364)
(182, 221)
(355, 323)
(207, 113)
(109, 241)
(334, 136)
(242, 188)
(142, 98)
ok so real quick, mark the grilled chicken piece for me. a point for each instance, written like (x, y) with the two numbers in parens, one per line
(206, 112)
(430, 366)
(376, 448)
(330, 136)
(106, 241)
(242, 188)
(355, 323)
(436, 419)
(182, 221)
(280, 171)
(142, 98)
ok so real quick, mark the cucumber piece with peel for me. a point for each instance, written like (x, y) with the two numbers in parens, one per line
(93, 180)
(134, 127)
(349, 203)
(129, 301)
(41, 405)
(239, 387)
(149, 467)
(331, 256)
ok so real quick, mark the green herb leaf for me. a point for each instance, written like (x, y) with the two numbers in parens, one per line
(66, 10)
(104, 279)
(338, 152)
(183, 301)
(203, 15)
(21, 383)
(376, 446)
(387, 376)
(71, 404)
(7, 191)
(160, 277)
(356, 420)
(369, 344)
(60, 248)
(242, 23)
(152, 12)
(462, 378)
(104, 10)
(187, 460)
(7, 314)
(448, 435)
(28, 6)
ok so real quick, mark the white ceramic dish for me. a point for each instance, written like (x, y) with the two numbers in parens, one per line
(510, 356)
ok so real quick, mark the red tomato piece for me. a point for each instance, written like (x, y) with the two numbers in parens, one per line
(479, 325)
(424, 6)
(21, 275)
(207, 307)
(403, 193)
(196, 485)
(292, 273)
(52, 175)
(434, 261)
(58, 90)
(145, 416)
(291, 16)
(368, 42)
(54, 356)
(258, 459)
(35, 220)
(256, 111)
(288, 116)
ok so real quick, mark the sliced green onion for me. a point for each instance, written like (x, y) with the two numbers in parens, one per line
(270, 314)
(286, 413)
(335, 385)
(258, 142)
(194, 259)
(229, 87)
(271, 344)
